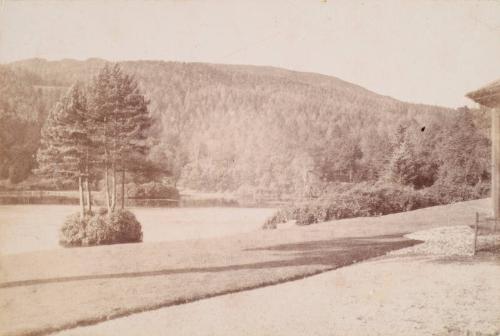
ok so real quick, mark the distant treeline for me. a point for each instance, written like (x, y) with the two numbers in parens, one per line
(247, 128)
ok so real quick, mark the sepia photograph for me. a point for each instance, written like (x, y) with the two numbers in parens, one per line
(250, 167)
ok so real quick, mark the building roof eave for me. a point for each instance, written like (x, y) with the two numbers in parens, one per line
(488, 95)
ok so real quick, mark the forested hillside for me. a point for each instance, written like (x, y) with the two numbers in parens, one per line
(228, 127)
(24, 103)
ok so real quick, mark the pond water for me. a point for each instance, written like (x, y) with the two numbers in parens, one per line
(26, 228)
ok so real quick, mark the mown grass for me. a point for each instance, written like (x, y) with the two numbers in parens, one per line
(46, 291)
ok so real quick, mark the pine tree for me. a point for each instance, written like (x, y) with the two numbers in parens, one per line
(121, 118)
(64, 142)
(100, 109)
(103, 128)
(465, 155)
(403, 167)
(132, 121)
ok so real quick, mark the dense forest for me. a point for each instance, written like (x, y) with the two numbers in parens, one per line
(242, 128)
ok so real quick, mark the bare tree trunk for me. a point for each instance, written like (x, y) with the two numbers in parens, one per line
(87, 184)
(89, 195)
(113, 164)
(113, 190)
(80, 189)
(82, 193)
(106, 186)
(106, 166)
(123, 188)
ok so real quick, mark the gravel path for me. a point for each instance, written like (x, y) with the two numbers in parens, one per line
(447, 241)
(414, 291)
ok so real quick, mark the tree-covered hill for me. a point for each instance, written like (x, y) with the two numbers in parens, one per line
(228, 127)
(24, 103)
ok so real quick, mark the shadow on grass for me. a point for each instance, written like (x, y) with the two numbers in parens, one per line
(330, 254)
(336, 243)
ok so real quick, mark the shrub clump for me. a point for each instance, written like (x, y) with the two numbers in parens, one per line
(269, 224)
(362, 200)
(444, 193)
(120, 226)
(151, 190)
(72, 233)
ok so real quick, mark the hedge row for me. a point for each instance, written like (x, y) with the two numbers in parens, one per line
(151, 190)
(363, 200)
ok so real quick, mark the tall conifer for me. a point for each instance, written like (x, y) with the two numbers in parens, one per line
(64, 142)
(121, 119)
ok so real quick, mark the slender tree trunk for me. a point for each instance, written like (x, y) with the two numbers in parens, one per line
(82, 192)
(113, 164)
(113, 190)
(80, 189)
(123, 188)
(87, 184)
(106, 166)
(106, 186)
(89, 195)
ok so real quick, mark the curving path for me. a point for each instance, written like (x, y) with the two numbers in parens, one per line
(390, 296)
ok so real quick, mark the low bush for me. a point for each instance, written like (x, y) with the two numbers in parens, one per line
(121, 226)
(137, 192)
(270, 224)
(361, 200)
(444, 193)
(151, 190)
(282, 215)
(209, 202)
(73, 231)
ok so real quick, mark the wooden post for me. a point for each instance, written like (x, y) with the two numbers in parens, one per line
(474, 243)
(495, 161)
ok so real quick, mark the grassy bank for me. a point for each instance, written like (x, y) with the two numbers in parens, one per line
(45, 291)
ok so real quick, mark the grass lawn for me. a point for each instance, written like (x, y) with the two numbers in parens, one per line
(26, 228)
(51, 290)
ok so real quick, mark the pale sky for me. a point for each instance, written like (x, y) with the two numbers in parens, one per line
(429, 52)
